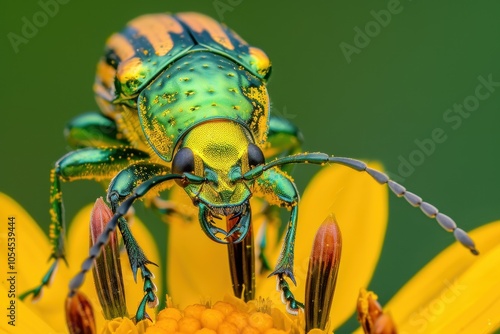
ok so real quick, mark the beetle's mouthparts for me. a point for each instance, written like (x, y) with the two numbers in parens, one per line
(238, 230)
(228, 210)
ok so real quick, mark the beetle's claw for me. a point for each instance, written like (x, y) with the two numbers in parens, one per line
(36, 293)
(207, 225)
(284, 270)
(287, 297)
(241, 227)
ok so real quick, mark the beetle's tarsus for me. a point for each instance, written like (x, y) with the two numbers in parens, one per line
(287, 297)
(150, 299)
(37, 291)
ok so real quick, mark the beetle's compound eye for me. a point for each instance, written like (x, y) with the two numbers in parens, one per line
(183, 163)
(255, 155)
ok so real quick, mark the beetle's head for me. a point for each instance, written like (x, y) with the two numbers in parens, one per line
(220, 151)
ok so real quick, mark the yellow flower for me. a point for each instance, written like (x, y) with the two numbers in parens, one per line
(456, 291)
(32, 249)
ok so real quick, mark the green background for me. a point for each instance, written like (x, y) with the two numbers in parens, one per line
(393, 92)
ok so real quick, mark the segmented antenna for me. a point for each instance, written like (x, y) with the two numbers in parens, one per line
(321, 158)
(429, 210)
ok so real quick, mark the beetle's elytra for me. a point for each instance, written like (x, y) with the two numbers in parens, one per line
(184, 103)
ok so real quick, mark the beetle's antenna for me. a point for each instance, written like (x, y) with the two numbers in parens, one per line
(103, 239)
(429, 210)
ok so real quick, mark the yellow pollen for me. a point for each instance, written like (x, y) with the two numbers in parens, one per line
(220, 318)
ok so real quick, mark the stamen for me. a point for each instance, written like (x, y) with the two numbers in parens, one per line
(371, 317)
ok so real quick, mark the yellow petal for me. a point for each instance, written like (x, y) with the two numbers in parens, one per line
(24, 319)
(360, 205)
(32, 253)
(455, 292)
(197, 267)
(78, 250)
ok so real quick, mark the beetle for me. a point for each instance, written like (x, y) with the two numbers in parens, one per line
(184, 102)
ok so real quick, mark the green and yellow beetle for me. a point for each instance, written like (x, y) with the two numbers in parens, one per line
(184, 98)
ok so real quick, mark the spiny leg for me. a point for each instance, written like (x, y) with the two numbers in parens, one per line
(278, 189)
(57, 238)
(84, 164)
(283, 139)
(428, 209)
(122, 185)
(121, 210)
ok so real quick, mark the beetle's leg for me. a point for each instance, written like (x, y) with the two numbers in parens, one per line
(121, 210)
(57, 230)
(127, 179)
(321, 158)
(124, 182)
(122, 185)
(283, 139)
(93, 129)
(278, 189)
(120, 188)
(84, 164)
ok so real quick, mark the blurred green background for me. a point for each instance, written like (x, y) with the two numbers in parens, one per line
(392, 90)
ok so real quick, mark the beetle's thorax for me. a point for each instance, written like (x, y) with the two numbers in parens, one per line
(220, 151)
(198, 87)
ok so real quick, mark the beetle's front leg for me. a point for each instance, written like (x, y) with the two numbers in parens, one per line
(124, 183)
(84, 164)
(278, 189)
(121, 187)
